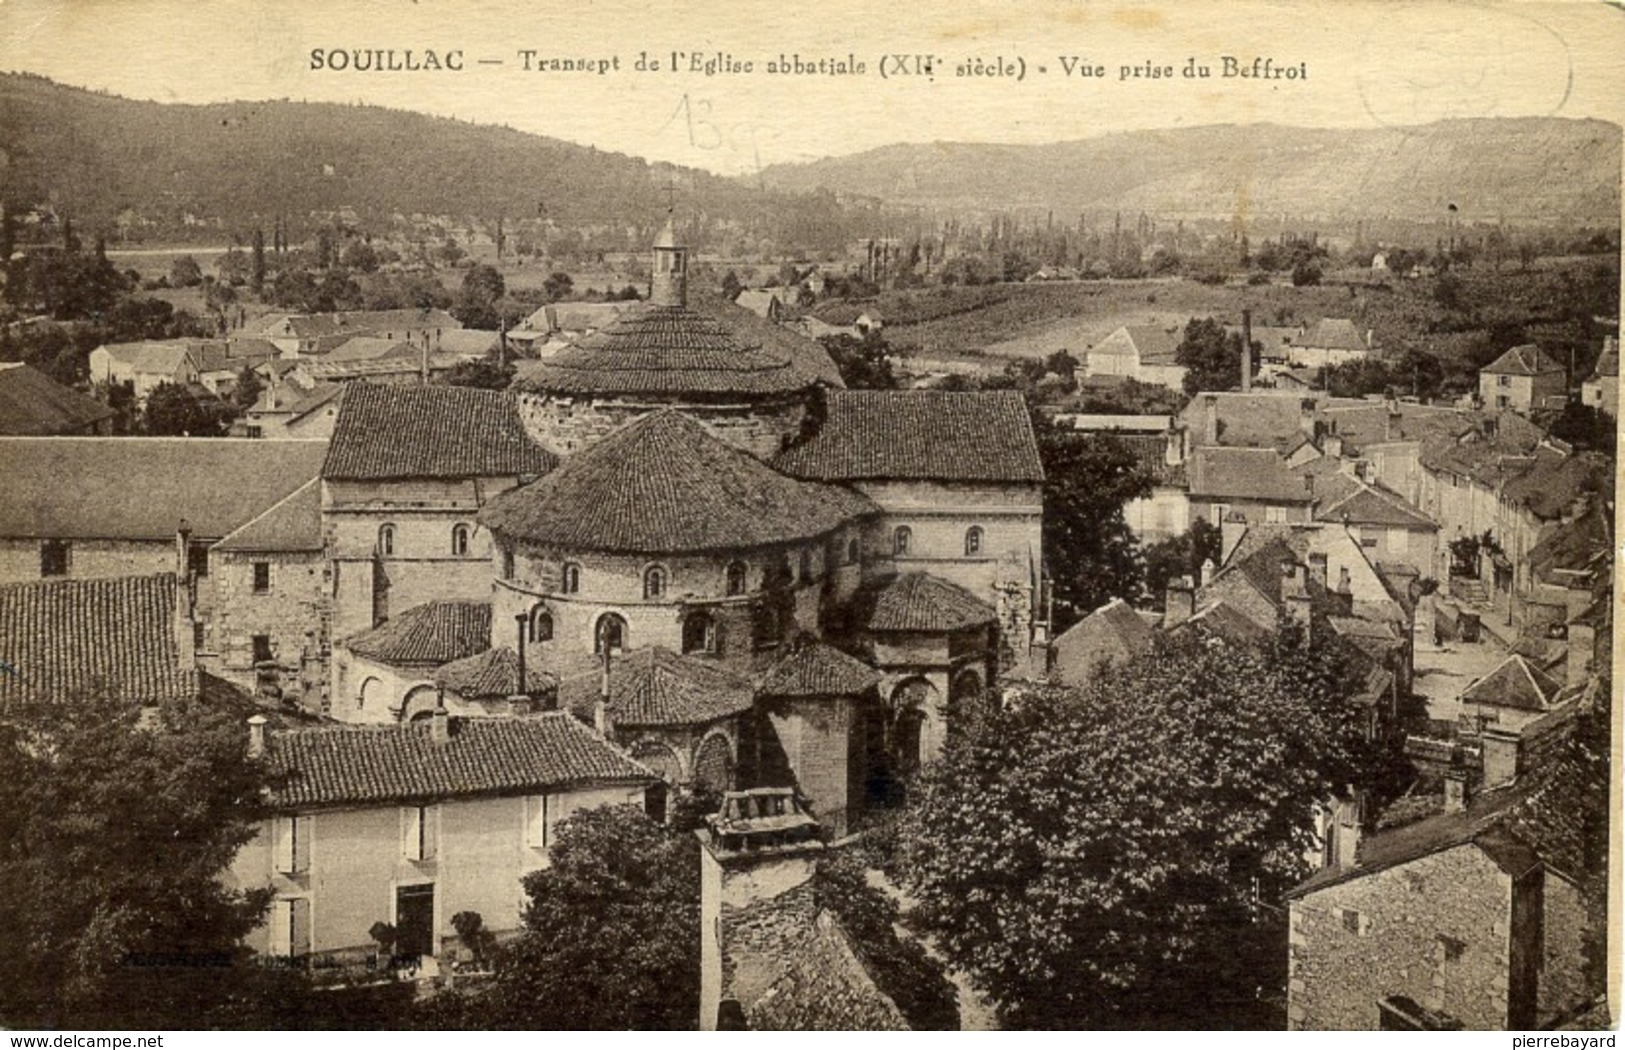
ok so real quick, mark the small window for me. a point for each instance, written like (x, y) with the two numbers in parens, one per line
(507, 564)
(1275, 515)
(459, 541)
(1353, 922)
(1450, 948)
(197, 634)
(197, 559)
(852, 551)
(262, 649)
(973, 541)
(900, 539)
(262, 577)
(570, 582)
(736, 578)
(291, 842)
(806, 564)
(611, 634)
(699, 633)
(541, 625)
(386, 540)
(654, 582)
(53, 558)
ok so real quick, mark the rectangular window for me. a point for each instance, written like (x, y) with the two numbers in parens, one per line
(290, 927)
(198, 639)
(538, 816)
(420, 826)
(1354, 922)
(197, 559)
(291, 844)
(1275, 515)
(53, 558)
(262, 577)
(1450, 948)
(262, 649)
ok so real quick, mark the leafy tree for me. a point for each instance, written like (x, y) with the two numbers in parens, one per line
(557, 286)
(1211, 356)
(1585, 427)
(731, 286)
(486, 374)
(185, 272)
(174, 411)
(477, 299)
(115, 826)
(256, 273)
(359, 256)
(1092, 859)
(1087, 544)
(1305, 273)
(248, 388)
(864, 363)
(1181, 555)
(612, 930)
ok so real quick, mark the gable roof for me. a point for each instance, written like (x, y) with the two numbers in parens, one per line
(1513, 683)
(359, 765)
(1607, 361)
(919, 435)
(1245, 473)
(390, 431)
(294, 523)
(1149, 344)
(664, 484)
(32, 403)
(114, 634)
(917, 601)
(817, 669)
(154, 358)
(1525, 360)
(1257, 419)
(1375, 505)
(1333, 333)
(355, 322)
(141, 488)
(657, 687)
(1113, 633)
(435, 633)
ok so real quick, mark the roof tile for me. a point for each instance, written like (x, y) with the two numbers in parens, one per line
(391, 431)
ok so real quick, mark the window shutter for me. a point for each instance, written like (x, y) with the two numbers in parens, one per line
(282, 844)
(281, 927)
(299, 927)
(302, 827)
(431, 832)
(412, 832)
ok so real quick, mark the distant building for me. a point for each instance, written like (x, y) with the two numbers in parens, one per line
(301, 335)
(1601, 389)
(1330, 341)
(1112, 634)
(144, 366)
(32, 404)
(1147, 353)
(1521, 380)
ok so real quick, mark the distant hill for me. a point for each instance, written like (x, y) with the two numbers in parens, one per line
(1534, 169)
(93, 155)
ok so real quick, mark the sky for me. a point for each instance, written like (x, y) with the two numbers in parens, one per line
(1360, 64)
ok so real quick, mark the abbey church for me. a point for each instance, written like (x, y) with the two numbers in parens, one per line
(684, 531)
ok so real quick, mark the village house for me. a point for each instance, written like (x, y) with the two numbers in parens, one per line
(1113, 634)
(413, 825)
(836, 317)
(1158, 448)
(1601, 388)
(1522, 380)
(144, 366)
(32, 404)
(290, 410)
(1253, 482)
(1330, 341)
(1147, 353)
(302, 335)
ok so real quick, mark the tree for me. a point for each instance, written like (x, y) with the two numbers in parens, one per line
(864, 364)
(174, 411)
(1087, 544)
(1585, 427)
(359, 256)
(1211, 356)
(185, 272)
(611, 932)
(731, 286)
(1092, 859)
(256, 275)
(486, 374)
(482, 289)
(115, 827)
(1181, 555)
(557, 286)
(248, 388)
(1305, 273)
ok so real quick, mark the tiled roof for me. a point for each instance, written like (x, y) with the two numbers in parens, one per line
(1525, 360)
(919, 435)
(664, 484)
(918, 601)
(1374, 505)
(293, 524)
(656, 687)
(319, 395)
(806, 355)
(361, 765)
(578, 317)
(1149, 344)
(232, 356)
(32, 403)
(1607, 361)
(817, 669)
(1252, 420)
(1552, 483)
(154, 358)
(141, 488)
(391, 322)
(115, 634)
(493, 674)
(1333, 333)
(1515, 684)
(1113, 633)
(393, 431)
(665, 350)
(436, 633)
(1245, 473)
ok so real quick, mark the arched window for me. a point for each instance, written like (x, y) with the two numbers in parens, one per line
(570, 579)
(900, 538)
(386, 540)
(541, 624)
(736, 578)
(459, 540)
(973, 541)
(699, 633)
(611, 634)
(852, 551)
(654, 582)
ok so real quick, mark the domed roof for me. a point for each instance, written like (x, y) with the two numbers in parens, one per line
(666, 350)
(666, 485)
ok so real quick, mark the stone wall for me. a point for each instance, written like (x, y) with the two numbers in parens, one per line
(1437, 930)
(293, 614)
(88, 559)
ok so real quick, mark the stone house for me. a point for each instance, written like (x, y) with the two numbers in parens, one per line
(1112, 634)
(1601, 388)
(1521, 380)
(411, 825)
(144, 366)
(302, 335)
(1256, 483)
(1330, 341)
(387, 673)
(1147, 353)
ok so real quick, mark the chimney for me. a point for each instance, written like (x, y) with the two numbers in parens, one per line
(256, 736)
(1246, 351)
(1332, 445)
(1210, 419)
(1207, 571)
(1455, 789)
(183, 550)
(1231, 530)
(1179, 602)
(1499, 748)
(1317, 567)
(1295, 596)
(439, 719)
(762, 845)
(1306, 417)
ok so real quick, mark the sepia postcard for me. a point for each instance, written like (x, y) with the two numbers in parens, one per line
(840, 517)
